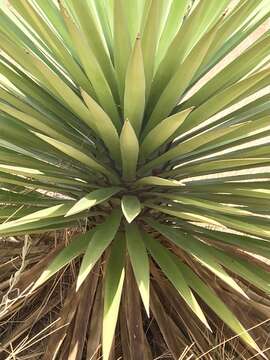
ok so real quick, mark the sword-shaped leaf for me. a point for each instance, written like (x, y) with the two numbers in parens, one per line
(157, 181)
(92, 199)
(122, 45)
(102, 238)
(114, 280)
(250, 272)
(129, 146)
(91, 31)
(104, 125)
(225, 98)
(41, 219)
(171, 94)
(77, 155)
(165, 260)
(186, 39)
(214, 302)
(150, 37)
(134, 98)
(77, 247)
(173, 23)
(139, 261)
(92, 68)
(131, 207)
(199, 251)
(163, 132)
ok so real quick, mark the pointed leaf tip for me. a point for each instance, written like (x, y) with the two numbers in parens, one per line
(102, 238)
(131, 207)
(134, 95)
(92, 199)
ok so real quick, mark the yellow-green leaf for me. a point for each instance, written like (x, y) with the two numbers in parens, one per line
(213, 301)
(102, 238)
(77, 246)
(105, 126)
(114, 280)
(92, 199)
(139, 261)
(134, 100)
(129, 146)
(157, 181)
(163, 131)
(131, 207)
(164, 259)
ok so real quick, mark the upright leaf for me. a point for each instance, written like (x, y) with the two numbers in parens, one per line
(172, 25)
(107, 130)
(129, 146)
(171, 94)
(134, 100)
(122, 45)
(196, 25)
(92, 67)
(95, 40)
(150, 39)
(131, 207)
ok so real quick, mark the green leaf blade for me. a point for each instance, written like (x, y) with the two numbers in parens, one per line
(213, 301)
(163, 257)
(162, 132)
(73, 250)
(102, 238)
(129, 146)
(114, 280)
(139, 261)
(134, 97)
(92, 199)
(131, 207)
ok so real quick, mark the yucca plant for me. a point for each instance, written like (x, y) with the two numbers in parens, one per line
(118, 131)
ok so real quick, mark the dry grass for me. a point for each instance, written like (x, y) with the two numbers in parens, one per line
(35, 320)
